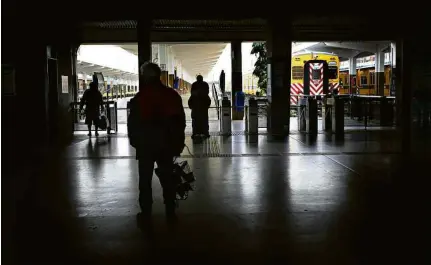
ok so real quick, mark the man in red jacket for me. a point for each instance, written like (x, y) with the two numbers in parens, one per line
(156, 127)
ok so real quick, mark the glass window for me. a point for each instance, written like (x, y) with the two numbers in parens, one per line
(297, 72)
(363, 80)
(333, 72)
(316, 74)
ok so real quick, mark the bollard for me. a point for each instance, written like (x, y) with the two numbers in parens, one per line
(301, 114)
(338, 117)
(226, 117)
(252, 117)
(327, 106)
(311, 116)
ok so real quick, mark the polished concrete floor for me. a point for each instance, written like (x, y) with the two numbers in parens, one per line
(257, 201)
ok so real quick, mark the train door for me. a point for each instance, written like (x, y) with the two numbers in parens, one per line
(316, 81)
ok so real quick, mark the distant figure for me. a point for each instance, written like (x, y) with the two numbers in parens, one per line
(222, 82)
(176, 82)
(200, 85)
(156, 125)
(93, 101)
(199, 102)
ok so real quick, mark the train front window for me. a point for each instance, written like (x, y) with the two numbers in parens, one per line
(332, 72)
(316, 74)
(297, 72)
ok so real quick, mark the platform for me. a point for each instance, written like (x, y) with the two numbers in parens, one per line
(297, 201)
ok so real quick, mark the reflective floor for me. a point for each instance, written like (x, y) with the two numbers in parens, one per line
(258, 201)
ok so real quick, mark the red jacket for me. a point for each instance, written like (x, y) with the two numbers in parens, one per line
(157, 121)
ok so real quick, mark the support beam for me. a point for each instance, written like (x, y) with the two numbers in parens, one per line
(404, 99)
(352, 76)
(163, 62)
(236, 76)
(359, 46)
(379, 81)
(279, 45)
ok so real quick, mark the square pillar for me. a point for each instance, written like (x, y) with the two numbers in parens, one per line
(144, 43)
(352, 76)
(393, 56)
(279, 46)
(404, 86)
(380, 72)
(236, 56)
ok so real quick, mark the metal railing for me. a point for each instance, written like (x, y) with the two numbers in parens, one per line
(359, 111)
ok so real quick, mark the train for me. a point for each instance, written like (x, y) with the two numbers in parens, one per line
(297, 77)
(365, 83)
(366, 80)
(108, 91)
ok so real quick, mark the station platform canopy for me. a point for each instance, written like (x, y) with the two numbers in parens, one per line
(195, 58)
(344, 50)
(113, 62)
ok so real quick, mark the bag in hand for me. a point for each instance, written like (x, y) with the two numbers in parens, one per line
(103, 122)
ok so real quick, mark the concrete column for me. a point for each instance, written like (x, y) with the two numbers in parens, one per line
(236, 61)
(279, 47)
(61, 119)
(170, 61)
(380, 72)
(404, 91)
(393, 59)
(163, 61)
(155, 53)
(170, 67)
(352, 75)
(144, 43)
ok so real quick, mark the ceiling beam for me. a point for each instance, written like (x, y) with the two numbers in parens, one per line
(98, 35)
(360, 46)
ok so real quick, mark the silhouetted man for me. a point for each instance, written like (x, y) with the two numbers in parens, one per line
(199, 102)
(222, 81)
(93, 101)
(156, 127)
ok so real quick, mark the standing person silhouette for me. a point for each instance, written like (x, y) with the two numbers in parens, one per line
(156, 126)
(222, 82)
(93, 101)
(199, 102)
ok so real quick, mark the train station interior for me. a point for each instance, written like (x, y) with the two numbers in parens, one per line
(318, 149)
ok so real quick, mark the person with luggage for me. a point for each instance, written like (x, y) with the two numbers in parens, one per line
(93, 102)
(156, 128)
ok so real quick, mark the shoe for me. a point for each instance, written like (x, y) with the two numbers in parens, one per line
(89, 134)
(97, 134)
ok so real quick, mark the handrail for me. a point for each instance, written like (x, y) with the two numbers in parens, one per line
(215, 97)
